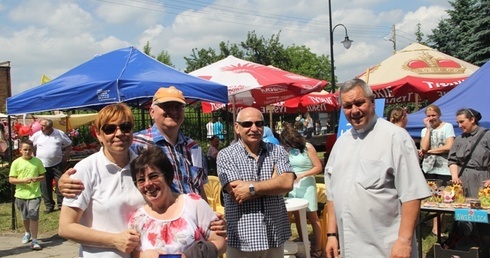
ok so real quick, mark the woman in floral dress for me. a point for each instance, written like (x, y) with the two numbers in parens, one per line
(170, 223)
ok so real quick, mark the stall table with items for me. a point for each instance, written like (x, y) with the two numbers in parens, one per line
(80, 152)
(451, 200)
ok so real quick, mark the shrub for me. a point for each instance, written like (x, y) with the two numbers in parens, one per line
(5, 186)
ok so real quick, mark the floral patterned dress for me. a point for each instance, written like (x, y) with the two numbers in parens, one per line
(176, 235)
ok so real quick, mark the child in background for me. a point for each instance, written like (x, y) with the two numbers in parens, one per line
(26, 173)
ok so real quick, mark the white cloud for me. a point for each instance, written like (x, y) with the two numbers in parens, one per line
(61, 17)
(125, 12)
(52, 36)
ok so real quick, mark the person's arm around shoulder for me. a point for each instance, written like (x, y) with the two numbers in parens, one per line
(70, 228)
(409, 216)
(68, 186)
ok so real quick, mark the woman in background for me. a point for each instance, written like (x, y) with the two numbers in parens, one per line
(436, 140)
(472, 168)
(306, 164)
(309, 125)
(398, 116)
(476, 172)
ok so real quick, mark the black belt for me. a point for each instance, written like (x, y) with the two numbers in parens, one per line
(478, 168)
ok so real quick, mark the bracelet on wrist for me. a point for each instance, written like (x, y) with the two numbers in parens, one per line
(331, 234)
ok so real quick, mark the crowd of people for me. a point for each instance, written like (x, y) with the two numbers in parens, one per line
(142, 194)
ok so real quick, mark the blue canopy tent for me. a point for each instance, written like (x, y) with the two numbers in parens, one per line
(474, 93)
(124, 75)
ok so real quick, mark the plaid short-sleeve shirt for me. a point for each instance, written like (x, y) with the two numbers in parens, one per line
(188, 177)
(262, 223)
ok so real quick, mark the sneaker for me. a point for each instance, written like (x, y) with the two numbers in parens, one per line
(26, 238)
(35, 245)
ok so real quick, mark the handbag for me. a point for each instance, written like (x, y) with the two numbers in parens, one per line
(471, 152)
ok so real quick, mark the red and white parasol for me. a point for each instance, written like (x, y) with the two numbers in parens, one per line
(417, 70)
(251, 84)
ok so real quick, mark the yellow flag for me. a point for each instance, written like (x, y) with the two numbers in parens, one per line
(45, 79)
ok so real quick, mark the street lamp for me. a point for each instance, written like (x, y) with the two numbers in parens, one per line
(346, 42)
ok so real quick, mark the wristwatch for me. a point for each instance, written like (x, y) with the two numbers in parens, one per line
(251, 188)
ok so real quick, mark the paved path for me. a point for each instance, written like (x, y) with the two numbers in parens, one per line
(53, 246)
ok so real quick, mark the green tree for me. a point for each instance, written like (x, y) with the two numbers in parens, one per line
(465, 34)
(479, 42)
(163, 57)
(202, 57)
(265, 51)
(303, 61)
(419, 35)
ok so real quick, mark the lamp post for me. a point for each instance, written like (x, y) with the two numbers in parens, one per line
(346, 42)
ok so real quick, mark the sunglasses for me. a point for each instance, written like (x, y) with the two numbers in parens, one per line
(171, 106)
(248, 124)
(125, 127)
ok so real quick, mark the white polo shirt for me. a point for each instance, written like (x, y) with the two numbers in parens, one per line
(49, 147)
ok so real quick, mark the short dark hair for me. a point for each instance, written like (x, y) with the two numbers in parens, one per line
(154, 157)
(27, 141)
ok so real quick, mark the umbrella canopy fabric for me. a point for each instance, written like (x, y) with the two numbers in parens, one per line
(66, 122)
(311, 102)
(416, 70)
(320, 101)
(255, 84)
(474, 93)
(124, 75)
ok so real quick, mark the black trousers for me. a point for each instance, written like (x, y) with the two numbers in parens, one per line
(55, 173)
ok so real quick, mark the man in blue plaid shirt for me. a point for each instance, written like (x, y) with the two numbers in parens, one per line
(255, 175)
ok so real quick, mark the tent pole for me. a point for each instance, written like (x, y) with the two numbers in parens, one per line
(234, 117)
(12, 187)
(416, 102)
(227, 124)
(270, 117)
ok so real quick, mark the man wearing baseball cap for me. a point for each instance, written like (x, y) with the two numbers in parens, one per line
(187, 158)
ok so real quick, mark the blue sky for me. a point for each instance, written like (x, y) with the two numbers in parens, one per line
(52, 36)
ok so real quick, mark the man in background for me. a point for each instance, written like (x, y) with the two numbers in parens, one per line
(52, 146)
(218, 128)
(210, 128)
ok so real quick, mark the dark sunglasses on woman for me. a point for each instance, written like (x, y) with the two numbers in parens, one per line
(125, 127)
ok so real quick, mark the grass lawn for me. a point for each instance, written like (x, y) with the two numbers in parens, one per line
(48, 223)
